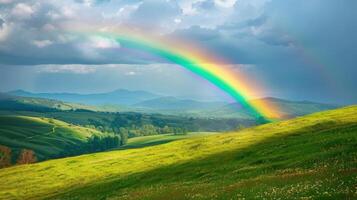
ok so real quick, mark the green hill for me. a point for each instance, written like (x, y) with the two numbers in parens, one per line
(175, 104)
(119, 96)
(286, 109)
(48, 138)
(144, 141)
(312, 157)
(18, 103)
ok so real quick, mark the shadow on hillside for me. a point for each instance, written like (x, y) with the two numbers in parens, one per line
(151, 143)
(304, 148)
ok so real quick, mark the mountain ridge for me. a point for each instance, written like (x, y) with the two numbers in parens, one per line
(119, 96)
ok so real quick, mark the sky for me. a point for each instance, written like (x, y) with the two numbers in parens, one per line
(298, 50)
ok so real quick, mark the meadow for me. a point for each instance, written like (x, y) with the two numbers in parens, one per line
(311, 157)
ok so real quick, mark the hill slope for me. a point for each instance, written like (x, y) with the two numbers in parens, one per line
(118, 97)
(175, 104)
(309, 157)
(48, 138)
(151, 140)
(287, 109)
(18, 103)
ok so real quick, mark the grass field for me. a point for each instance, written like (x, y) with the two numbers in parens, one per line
(47, 137)
(145, 141)
(312, 157)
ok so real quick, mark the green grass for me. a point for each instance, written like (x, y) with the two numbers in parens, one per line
(145, 141)
(47, 137)
(312, 157)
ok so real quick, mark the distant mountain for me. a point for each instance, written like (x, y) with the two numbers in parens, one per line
(117, 97)
(286, 109)
(173, 103)
(18, 103)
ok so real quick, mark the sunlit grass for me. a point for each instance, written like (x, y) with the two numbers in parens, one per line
(144, 141)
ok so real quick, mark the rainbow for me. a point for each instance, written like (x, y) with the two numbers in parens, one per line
(199, 63)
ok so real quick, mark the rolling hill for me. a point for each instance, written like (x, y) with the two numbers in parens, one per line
(116, 97)
(311, 157)
(287, 109)
(48, 138)
(19, 103)
(176, 104)
(146, 102)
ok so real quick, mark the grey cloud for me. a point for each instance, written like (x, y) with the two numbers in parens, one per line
(2, 22)
(197, 33)
(258, 21)
(155, 13)
(207, 5)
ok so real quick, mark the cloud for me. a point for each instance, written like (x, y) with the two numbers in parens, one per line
(131, 73)
(103, 43)
(42, 43)
(6, 1)
(4, 30)
(22, 10)
(76, 69)
(155, 14)
(196, 33)
(225, 3)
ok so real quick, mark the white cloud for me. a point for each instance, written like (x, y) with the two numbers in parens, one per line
(225, 3)
(6, 1)
(76, 69)
(42, 43)
(4, 31)
(130, 73)
(22, 10)
(103, 43)
(177, 20)
(125, 11)
(88, 2)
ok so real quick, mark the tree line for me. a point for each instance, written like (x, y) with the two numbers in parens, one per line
(95, 143)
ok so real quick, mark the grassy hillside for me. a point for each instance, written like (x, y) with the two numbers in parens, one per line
(135, 122)
(305, 158)
(144, 141)
(49, 138)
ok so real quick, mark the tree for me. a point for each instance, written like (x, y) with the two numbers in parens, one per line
(26, 156)
(117, 141)
(5, 156)
(166, 129)
(123, 136)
